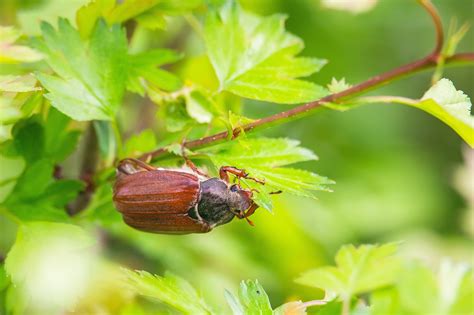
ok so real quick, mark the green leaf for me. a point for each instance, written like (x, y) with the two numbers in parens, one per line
(11, 53)
(359, 269)
(264, 158)
(106, 141)
(15, 106)
(169, 289)
(138, 144)
(3, 278)
(36, 195)
(33, 182)
(143, 66)
(61, 192)
(10, 169)
(451, 106)
(149, 13)
(252, 299)
(199, 107)
(29, 138)
(18, 83)
(101, 209)
(59, 141)
(175, 116)
(50, 264)
(30, 16)
(92, 74)
(419, 291)
(337, 86)
(254, 57)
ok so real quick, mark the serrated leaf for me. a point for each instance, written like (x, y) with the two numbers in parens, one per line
(451, 106)
(50, 264)
(253, 57)
(11, 53)
(337, 86)
(92, 74)
(358, 270)
(264, 158)
(169, 289)
(252, 299)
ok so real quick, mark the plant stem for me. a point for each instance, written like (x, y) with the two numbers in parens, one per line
(433, 12)
(118, 135)
(346, 306)
(309, 108)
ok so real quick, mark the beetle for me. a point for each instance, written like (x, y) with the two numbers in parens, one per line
(177, 202)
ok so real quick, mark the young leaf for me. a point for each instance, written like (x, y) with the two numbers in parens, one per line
(359, 269)
(252, 299)
(169, 289)
(337, 86)
(11, 53)
(263, 158)
(451, 106)
(92, 74)
(254, 57)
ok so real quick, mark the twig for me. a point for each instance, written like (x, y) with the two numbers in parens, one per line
(431, 9)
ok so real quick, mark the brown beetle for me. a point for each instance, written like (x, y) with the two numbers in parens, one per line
(176, 202)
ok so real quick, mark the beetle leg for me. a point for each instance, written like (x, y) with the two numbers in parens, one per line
(239, 173)
(122, 167)
(245, 215)
(190, 163)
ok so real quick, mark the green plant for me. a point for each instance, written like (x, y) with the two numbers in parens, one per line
(64, 126)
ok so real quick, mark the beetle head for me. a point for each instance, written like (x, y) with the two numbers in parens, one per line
(241, 199)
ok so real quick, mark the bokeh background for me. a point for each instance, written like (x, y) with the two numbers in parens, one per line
(401, 174)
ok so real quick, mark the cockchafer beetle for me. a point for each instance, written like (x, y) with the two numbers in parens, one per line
(177, 202)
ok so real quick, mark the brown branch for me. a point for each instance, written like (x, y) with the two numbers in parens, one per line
(301, 111)
(433, 12)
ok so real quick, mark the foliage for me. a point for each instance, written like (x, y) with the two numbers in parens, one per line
(84, 84)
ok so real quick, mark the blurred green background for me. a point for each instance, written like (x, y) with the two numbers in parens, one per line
(401, 174)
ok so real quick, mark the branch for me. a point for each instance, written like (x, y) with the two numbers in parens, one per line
(301, 111)
(433, 12)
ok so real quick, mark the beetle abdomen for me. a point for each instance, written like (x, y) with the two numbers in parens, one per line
(168, 224)
(152, 193)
